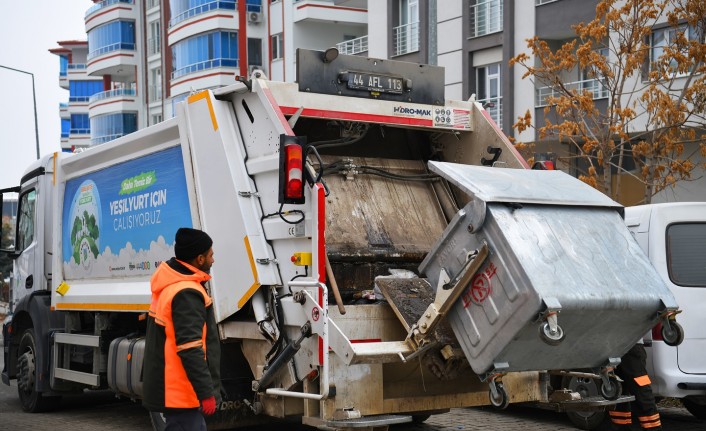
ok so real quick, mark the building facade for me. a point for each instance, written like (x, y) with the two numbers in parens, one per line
(142, 57)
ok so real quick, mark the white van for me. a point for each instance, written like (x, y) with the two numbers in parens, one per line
(673, 235)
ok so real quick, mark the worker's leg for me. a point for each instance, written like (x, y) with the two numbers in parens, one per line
(191, 420)
(633, 371)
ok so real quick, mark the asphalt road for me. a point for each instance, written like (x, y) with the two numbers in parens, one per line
(102, 411)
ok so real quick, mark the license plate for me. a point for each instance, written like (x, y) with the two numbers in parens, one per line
(376, 83)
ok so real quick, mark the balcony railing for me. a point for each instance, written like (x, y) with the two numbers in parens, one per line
(353, 46)
(541, 2)
(208, 64)
(198, 10)
(486, 17)
(591, 85)
(77, 66)
(405, 38)
(105, 3)
(112, 47)
(494, 106)
(154, 46)
(86, 131)
(112, 93)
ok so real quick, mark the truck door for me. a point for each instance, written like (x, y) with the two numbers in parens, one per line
(24, 278)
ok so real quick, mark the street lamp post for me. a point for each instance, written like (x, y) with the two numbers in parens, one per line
(34, 100)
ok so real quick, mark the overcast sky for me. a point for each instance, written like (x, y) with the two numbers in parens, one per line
(28, 29)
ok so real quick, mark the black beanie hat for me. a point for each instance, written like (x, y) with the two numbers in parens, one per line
(189, 243)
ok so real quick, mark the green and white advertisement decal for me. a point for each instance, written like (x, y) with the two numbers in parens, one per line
(120, 221)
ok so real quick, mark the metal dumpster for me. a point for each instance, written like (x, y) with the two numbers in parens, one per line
(565, 286)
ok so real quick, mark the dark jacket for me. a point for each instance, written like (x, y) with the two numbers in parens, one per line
(182, 347)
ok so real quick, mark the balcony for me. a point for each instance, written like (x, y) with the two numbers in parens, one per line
(117, 59)
(353, 46)
(117, 100)
(486, 17)
(202, 9)
(110, 10)
(215, 15)
(494, 107)
(593, 86)
(328, 12)
(405, 39)
(64, 111)
(218, 72)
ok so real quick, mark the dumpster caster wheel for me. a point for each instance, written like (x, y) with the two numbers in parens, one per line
(553, 338)
(611, 390)
(502, 400)
(672, 333)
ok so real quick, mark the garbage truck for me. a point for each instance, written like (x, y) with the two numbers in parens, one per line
(382, 254)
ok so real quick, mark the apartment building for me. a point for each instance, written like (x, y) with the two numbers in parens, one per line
(143, 56)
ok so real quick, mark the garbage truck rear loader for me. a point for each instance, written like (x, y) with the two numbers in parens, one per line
(319, 197)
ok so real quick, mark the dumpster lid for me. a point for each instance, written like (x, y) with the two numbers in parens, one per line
(521, 185)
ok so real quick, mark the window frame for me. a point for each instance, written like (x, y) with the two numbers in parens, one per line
(668, 252)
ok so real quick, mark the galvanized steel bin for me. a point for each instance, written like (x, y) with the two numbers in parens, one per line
(556, 246)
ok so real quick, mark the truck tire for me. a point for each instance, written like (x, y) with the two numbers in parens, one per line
(693, 407)
(585, 420)
(31, 400)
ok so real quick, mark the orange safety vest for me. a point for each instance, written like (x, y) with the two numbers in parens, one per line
(178, 391)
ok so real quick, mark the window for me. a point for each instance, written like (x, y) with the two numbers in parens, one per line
(157, 118)
(115, 35)
(254, 52)
(405, 37)
(26, 220)
(80, 125)
(486, 17)
(589, 81)
(277, 46)
(205, 51)
(488, 90)
(154, 45)
(63, 65)
(65, 127)
(667, 37)
(155, 84)
(81, 91)
(112, 126)
(686, 254)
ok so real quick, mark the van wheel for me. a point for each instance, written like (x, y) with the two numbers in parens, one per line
(31, 400)
(159, 423)
(696, 409)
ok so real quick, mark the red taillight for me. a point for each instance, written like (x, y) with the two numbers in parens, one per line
(657, 332)
(291, 168)
(294, 177)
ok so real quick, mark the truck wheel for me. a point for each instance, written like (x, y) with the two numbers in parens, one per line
(585, 420)
(31, 400)
(672, 333)
(696, 409)
(159, 423)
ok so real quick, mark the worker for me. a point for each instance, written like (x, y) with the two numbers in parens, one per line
(633, 371)
(182, 350)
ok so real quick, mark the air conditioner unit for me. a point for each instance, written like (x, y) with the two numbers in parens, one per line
(254, 17)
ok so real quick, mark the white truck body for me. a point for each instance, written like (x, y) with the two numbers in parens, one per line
(94, 225)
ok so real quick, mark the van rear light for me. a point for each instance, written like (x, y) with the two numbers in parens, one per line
(291, 172)
(657, 332)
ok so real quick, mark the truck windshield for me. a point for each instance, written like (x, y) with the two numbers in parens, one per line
(686, 254)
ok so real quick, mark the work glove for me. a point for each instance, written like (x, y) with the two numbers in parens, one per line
(208, 406)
